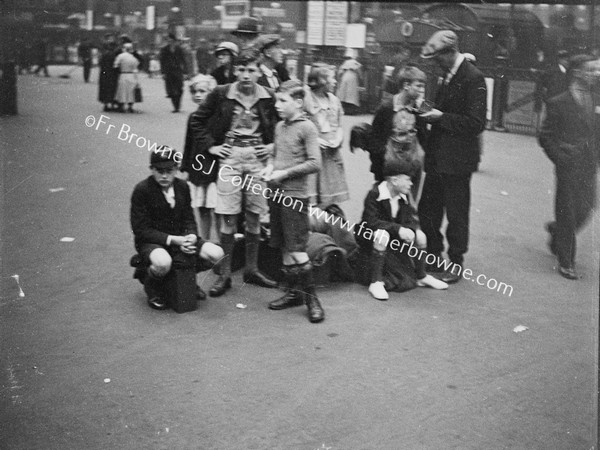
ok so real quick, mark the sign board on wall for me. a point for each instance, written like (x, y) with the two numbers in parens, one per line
(315, 22)
(336, 20)
(232, 11)
(356, 35)
(326, 23)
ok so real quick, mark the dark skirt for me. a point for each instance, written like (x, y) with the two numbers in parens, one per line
(107, 85)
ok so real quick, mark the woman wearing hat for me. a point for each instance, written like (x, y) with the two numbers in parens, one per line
(127, 64)
(225, 53)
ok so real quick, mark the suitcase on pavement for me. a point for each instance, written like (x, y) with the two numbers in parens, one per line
(181, 290)
(181, 284)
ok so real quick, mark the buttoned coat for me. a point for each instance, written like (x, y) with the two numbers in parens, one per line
(377, 215)
(153, 219)
(453, 144)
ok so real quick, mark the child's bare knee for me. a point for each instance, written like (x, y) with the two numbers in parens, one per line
(160, 262)
(211, 252)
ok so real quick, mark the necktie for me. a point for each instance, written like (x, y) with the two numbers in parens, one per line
(170, 196)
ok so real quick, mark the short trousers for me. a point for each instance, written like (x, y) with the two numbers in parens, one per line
(289, 225)
(203, 196)
(201, 264)
(239, 183)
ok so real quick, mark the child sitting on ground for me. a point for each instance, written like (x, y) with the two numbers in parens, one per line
(389, 220)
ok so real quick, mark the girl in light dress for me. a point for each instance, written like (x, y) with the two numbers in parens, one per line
(328, 186)
(200, 165)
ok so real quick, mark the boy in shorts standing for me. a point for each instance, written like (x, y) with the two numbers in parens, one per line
(295, 155)
(236, 123)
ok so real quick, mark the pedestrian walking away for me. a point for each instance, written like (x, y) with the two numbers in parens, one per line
(173, 67)
(84, 51)
(109, 75)
(569, 136)
(452, 149)
(40, 49)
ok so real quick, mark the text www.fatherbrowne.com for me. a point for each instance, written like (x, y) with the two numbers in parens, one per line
(411, 250)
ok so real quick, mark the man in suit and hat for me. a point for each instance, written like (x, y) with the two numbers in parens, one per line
(173, 67)
(452, 149)
(570, 137)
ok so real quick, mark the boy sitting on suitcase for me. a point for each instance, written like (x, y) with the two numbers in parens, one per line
(164, 228)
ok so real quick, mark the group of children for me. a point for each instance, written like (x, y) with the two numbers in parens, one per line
(236, 135)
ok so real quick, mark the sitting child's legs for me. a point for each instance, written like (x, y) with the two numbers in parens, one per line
(160, 262)
(160, 265)
(377, 286)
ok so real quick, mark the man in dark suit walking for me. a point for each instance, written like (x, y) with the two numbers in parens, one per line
(173, 66)
(570, 136)
(452, 150)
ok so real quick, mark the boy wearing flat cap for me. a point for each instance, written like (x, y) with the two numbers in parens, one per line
(452, 150)
(392, 253)
(163, 226)
(271, 63)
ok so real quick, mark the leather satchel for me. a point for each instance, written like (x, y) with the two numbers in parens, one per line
(137, 94)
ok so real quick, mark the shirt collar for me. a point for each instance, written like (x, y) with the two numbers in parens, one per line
(459, 60)
(268, 72)
(259, 93)
(384, 193)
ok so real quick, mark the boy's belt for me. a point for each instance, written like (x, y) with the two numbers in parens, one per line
(243, 142)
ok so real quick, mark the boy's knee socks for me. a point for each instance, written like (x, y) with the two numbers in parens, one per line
(227, 241)
(252, 245)
(377, 263)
